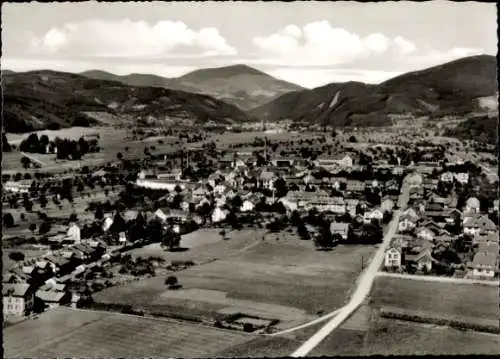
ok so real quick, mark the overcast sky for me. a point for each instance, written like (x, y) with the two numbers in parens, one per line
(308, 43)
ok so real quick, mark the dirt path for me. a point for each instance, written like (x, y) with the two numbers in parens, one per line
(439, 279)
(34, 159)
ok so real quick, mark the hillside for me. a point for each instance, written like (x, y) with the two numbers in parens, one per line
(451, 88)
(479, 128)
(49, 100)
(239, 85)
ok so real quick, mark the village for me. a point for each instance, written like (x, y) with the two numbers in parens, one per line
(322, 188)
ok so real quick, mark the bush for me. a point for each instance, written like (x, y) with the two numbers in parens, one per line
(8, 220)
(248, 327)
(171, 281)
(16, 256)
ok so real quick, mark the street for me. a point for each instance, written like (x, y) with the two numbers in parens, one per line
(365, 283)
(439, 279)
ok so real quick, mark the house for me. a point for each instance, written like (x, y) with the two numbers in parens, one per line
(267, 179)
(290, 204)
(18, 299)
(425, 233)
(430, 183)
(159, 184)
(392, 259)
(483, 266)
(351, 205)
(446, 177)
(218, 215)
(52, 298)
(247, 206)
(332, 162)
(341, 229)
(280, 161)
(375, 214)
(414, 180)
(443, 238)
(472, 205)
(462, 178)
(387, 205)
(489, 247)
(74, 233)
(355, 186)
(391, 187)
(174, 175)
(108, 221)
(411, 214)
(199, 193)
(478, 225)
(22, 186)
(406, 224)
(420, 257)
(331, 204)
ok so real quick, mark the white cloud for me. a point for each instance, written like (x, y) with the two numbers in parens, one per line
(319, 44)
(312, 77)
(128, 39)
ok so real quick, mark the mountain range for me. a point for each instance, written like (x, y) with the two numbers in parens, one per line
(239, 85)
(451, 88)
(51, 99)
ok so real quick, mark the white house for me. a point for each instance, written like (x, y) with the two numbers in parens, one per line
(218, 215)
(392, 259)
(472, 205)
(484, 265)
(447, 177)
(108, 221)
(462, 178)
(406, 224)
(159, 185)
(425, 233)
(18, 299)
(289, 204)
(375, 214)
(74, 233)
(247, 206)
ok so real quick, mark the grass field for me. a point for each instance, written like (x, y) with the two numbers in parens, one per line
(256, 276)
(461, 301)
(87, 334)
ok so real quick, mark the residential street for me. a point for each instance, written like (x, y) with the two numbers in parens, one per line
(365, 284)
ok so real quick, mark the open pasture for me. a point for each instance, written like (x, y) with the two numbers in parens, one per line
(460, 301)
(265, 272)
(89, 334)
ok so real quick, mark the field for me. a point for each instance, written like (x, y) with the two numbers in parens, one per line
(251, 275)
(461, 301)
(86, 334)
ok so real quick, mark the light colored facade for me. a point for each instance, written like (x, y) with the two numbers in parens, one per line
(392, 259)
(17, 299)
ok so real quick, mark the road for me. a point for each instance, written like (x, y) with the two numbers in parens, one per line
(439, 279)
(364, 285)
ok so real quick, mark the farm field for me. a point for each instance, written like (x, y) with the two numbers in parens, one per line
(260, 278)
(392, 337)
(87, 334)
(461, 301)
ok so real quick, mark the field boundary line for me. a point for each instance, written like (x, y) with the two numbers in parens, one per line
(438, 279)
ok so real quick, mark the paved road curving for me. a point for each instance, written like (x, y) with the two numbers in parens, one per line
(364, 285)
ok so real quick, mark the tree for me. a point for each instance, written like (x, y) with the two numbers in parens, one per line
(5, 144)
(99, 213)
(25, 161)
(44, 227)
(119, 155)
(172, 282)
(353, 139)
(73, 217)
(16, 256)
(302, 231)
(32, 227)
(325, 239)
(8, 220)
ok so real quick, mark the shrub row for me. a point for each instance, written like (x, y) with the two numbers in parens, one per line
(478, 325)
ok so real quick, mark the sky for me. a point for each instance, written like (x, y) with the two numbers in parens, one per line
(307, 43)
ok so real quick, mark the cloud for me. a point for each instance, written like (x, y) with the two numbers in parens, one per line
(320, 44)
(129, 39)
(313, 77)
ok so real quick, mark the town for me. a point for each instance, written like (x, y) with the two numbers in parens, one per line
(249, 179)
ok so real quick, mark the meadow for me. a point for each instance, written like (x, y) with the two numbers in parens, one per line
(251, 275)
(84, 334)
